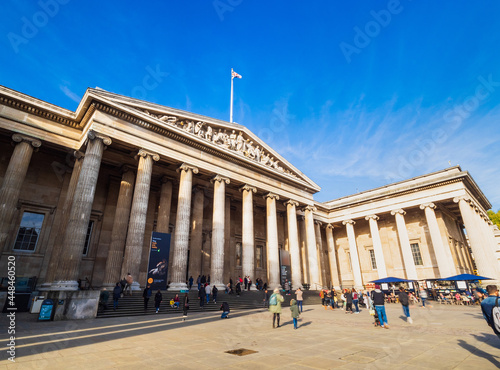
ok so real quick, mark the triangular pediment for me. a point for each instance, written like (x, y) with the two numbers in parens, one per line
(231, 138)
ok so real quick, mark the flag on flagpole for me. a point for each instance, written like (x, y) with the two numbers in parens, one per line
(235, 75)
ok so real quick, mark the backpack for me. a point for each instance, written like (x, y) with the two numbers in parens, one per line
(354, 295)
(495, 317)
(273, 300)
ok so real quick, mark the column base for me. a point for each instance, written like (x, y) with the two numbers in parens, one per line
(135, 286)
(63, 285)
(177, 287)
(220, 286)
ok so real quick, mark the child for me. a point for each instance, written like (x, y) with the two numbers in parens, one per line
(295, 312)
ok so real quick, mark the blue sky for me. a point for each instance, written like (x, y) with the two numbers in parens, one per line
(355, 94)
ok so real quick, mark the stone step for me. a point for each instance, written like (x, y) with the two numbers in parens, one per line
(134, 305)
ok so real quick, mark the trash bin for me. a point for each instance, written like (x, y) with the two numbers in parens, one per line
(47, 310)
(37, 304)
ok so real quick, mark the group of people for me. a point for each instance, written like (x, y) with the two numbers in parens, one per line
(274, 302)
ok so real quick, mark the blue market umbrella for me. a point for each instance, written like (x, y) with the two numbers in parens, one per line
(466, 277)
(389, 279)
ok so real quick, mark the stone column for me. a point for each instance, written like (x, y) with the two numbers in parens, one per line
(119, 231)
(312, 254)
(56, 249)
(68, 269)
(247, 237)
(293, 240)
(377, 246)
(404, 241)
(303, 249)
(319, 251)
(218, 220)
(13, 181)
(273, 257)
(181, 238)
(162, 225)
(196, 232)
(138, 213)
(484, 256)
(444, 259)
(334, 271)
(353, 249)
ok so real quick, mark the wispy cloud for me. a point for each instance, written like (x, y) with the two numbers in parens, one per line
(70, 94)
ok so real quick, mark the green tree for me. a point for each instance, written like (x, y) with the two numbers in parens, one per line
(495, 217)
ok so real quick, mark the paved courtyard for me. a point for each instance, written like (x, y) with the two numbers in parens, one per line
(441, 337)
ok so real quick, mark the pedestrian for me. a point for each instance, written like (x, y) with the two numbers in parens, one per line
(203, 280)
(275, 306)
(214, 293)
(322, 296)
(333, 302)
(117, 291)
(158, 299)
(249, 283)
(208, 279)
(129, 280)
(207, 292)
(146, 294)
(245, 282)
(202, 295)
(423, 295)
(185, 307)
(238, 289)
(378, 298)
(191, 280)
(198, 281)
(265, 297)
(175, 302)
(299, 295)
(355, 299)
(225, 310)
(348, 300)
(403, 299)
(295, 312)
(487, 307)
(103, 299)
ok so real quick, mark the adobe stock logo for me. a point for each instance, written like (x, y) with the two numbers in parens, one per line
(31, 26)
(363, 37)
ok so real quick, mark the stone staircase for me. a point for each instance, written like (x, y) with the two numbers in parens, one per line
(134, 305)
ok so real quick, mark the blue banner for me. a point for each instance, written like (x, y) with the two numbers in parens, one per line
(158, 261)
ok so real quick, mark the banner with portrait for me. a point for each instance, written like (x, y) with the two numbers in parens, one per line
(158, 260)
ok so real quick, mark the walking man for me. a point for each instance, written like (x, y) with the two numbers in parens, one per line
(378, 298)
(207, 292)
(298, 295)
(146, 294)
(487, 306)
(403, 299)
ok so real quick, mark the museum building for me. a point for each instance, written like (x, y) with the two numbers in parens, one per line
(82, 192)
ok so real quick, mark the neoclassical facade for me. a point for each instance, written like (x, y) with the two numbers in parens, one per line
(82, 192)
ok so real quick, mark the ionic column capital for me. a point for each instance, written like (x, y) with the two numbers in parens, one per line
(430, 205)
(145, 153)
(330, 226)
(465, 198)
(126, 168)
(247, 187)
(271, 196)
(219, 178)
(349, 222)
(372, 217)
(291, 202)
(18, 138)
(317, 222)
(187, 167)
(165, 179)
(398, 211)
(92, 135)
(310, 208)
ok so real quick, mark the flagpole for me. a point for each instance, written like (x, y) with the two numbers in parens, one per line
(231, 109)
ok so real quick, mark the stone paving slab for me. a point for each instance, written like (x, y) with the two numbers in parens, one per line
(442, 337)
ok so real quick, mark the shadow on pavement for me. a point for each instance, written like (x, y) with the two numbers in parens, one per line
(477, 352)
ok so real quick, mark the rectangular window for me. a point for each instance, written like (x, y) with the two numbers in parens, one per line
(258, 257)
(372, 258)
(417, 257)
(88, 238)
(238, 254)
(29, 231)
